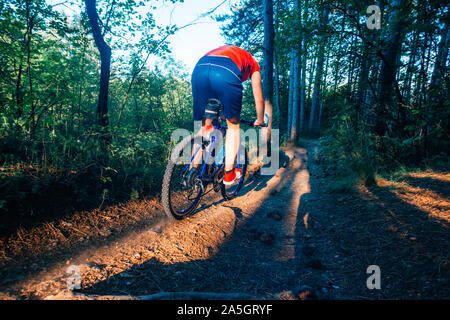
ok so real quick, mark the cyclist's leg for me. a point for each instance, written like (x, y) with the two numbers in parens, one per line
(225, 81)
(201, 92)
(232, 101)
(232, 142)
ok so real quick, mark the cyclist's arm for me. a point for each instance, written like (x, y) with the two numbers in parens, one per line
(258, 95)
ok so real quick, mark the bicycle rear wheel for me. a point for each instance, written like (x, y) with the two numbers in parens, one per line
(182, 189)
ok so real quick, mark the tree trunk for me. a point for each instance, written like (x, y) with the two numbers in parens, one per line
(435, 97)
(389, 66)
(409, 69)
(312, 70)
(277, 92)
(30, 26)
(303, 88)
(440, 63)
(297, 77)
(313, 117)
(19, 94)
(268, 66)
(276, 70)
(105, 57)
(324, 81)
(296, 97)
(304, 54)
(291, 90)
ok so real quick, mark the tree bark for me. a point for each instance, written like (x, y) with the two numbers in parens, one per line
(105, 69)
(30, 26)
(312, 70)
(277, 92)
(304, 54)
(389, 66)
(313, 118)
(441, 62)
(268, 66)
(276, 71)
(291, 90)
(324, 80)
(296, 81)
(296, 97)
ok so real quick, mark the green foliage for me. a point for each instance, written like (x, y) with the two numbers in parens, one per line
(49, 72)
(350, 156)
(49, 141)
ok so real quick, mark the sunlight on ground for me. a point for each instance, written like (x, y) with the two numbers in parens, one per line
(443, 177)
(299, 185)
(305, 220)
(430, 202)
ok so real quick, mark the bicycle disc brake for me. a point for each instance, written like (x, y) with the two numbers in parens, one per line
(188, 180)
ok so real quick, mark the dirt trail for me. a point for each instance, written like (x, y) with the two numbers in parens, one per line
(283, 237)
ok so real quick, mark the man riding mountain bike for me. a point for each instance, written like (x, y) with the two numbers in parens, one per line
(219, 75)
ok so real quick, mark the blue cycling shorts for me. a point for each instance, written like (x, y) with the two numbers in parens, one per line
(218, 78)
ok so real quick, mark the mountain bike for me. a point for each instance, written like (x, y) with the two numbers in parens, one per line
(184, 184)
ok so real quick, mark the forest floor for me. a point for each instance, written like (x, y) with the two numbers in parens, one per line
(285, 237)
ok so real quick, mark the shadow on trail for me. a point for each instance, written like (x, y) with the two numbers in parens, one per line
(417, 261)
(354, 231)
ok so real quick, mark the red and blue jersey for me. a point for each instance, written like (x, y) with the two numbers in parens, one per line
(243, 59)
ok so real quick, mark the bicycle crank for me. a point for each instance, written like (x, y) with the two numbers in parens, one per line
(218, 179)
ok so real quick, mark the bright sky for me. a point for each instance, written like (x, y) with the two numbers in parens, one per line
(189, 44)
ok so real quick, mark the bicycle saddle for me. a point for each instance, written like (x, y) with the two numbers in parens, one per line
(213, 109)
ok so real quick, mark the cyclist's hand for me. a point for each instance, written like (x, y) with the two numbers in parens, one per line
(259, 123)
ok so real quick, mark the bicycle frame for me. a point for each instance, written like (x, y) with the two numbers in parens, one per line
(214, 144)
(206, 180)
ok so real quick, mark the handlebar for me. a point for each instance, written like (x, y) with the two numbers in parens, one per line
(251, 123)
